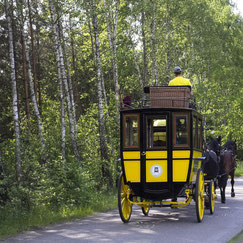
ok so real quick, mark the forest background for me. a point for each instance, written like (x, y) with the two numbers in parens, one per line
(64, 65)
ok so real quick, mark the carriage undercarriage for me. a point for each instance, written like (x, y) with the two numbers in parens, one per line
(203, 193)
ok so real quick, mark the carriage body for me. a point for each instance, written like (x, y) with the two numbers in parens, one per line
(161, 152)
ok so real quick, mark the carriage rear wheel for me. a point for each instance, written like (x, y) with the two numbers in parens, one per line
(124, 206)
(145, 209)
(199, 195)
(211, 197)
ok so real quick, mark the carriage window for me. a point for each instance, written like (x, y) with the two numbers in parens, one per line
(156, 132)
(181, 137)
(131, 131)
(195, 133)
(200, 134)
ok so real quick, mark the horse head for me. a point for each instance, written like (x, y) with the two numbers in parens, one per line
(231, 145)
(215, 145)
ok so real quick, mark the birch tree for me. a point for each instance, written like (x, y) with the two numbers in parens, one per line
(31, 82)
(67, 67)
(103, 139)
(111, 33)
(62, 102)
(95, 64)
(145, 62)
(153, 44)
(18, 163)
(64, 78)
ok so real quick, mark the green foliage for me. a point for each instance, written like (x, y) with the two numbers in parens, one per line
(239, 168)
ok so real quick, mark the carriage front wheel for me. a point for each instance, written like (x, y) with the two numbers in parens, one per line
(199, 195)
(124, 206)
(211, 197)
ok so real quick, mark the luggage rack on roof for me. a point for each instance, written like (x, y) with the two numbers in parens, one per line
(165, 97)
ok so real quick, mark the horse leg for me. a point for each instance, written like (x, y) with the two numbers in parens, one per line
(222, 192)
(232, 186)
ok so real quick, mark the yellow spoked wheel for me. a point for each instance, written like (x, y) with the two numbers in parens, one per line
(211, 197)
(145, 209)
(124, 206)
(199, 197)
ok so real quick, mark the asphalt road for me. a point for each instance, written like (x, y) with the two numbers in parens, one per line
(162, 225)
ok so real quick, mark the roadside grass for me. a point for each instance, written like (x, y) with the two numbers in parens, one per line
(237, 239)
(14, 221)
(239, 169)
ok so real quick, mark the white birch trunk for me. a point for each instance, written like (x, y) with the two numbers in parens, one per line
(62, 102)
(111, 32)
(70, 84)
(95, 64)
(103, 140)
(18, 163)
(33, 97)
(31, 83)
(145, 64)
(153, 44)
(64, 77)
(168, 57)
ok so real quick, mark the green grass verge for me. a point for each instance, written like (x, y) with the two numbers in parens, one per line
(237, 239)
(14, 221)
(239, 169)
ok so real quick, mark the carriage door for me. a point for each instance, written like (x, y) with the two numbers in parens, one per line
(155, 151)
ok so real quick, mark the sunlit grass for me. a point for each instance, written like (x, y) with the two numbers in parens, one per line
(237, 239)
(239, 169)
(13, 221)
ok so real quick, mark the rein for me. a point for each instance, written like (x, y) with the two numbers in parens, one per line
(226, 173)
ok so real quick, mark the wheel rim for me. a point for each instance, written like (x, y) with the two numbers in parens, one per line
(200, 196)
(125, 207)
(212, 197)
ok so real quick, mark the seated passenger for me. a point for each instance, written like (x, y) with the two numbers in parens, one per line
(127, 99)
(179, 80)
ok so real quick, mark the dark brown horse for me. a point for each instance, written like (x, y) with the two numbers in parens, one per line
(227, 167)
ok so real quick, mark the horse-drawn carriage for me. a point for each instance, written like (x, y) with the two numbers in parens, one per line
(162, 155)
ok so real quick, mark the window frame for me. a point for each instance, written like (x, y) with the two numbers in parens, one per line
(125, 131)
(159, 117)
(200, 133)
(187, 115)
(195, 136)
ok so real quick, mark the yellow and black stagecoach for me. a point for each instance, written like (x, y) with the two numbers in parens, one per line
(161, 154)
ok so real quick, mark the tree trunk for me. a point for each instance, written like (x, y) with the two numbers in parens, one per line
(74, 77)
(145, 64)
(153, 44)
(31, 83)
(111, 32)
(33, 49)
(168, 56)
(103, 140)
(67, 65)
(95, 64)
(18, 163)
(32, 94)
(64, 77)
(136, 58)
(26, 87)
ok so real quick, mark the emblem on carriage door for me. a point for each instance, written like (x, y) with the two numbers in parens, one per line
(156, 170)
